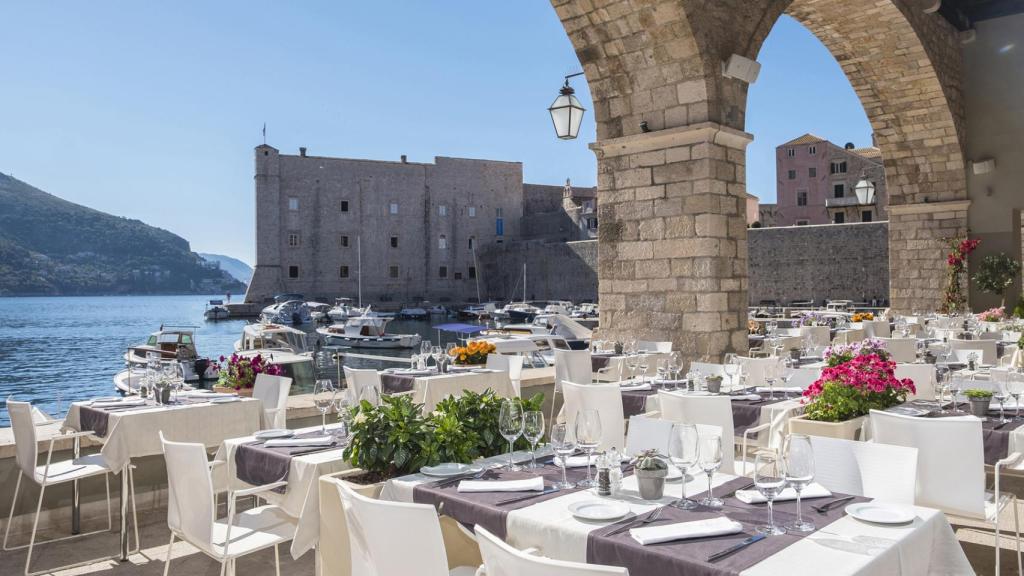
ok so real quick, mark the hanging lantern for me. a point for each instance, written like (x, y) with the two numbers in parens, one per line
(567, 112)
(865, 190)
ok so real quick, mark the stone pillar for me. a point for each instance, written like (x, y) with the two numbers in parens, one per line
(672, 245)
(917, 251)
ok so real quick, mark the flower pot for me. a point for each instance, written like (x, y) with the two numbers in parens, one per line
(845, 430)
(979, 406)
(651, 483)
(794, 354)
(228, 390)
(714, 384)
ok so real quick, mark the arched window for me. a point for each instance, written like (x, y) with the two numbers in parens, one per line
(442, 242)
(472, 242)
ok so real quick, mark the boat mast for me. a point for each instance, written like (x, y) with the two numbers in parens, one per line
(477, 268)
(524, 281)
(359, 269)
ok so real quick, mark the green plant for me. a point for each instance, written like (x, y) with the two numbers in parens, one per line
(479, 413)
(391, 439)
(995, 274)
(1018, 310)
(453, 440)
(978, 393)
(650, 460)
(855, 387)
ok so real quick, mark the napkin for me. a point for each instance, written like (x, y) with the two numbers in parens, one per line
(685, 530)
(781, 389)
(751, 397)
(579, 461)
(203, 394)
(670, 381)
(315, 441)
(814, 490)
(117, 403)
(535, 484)
(628, 387)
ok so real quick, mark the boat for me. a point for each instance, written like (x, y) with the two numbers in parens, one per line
(575, 335)
(585, 310)
(343, 310)
(127, 381)
(437, 310)
(413, 313)
(288, 309)
(367, 331)
(301, 368)
(478, 311)
(216, 310)
(318, 311)
(172, 343)
(272, 337)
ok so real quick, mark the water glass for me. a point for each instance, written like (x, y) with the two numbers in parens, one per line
(999, 394)
(799, 465)
(564, 445)
(323, 398)
(1015, 386)
(682, 451)
(588, 437)
(769, 481)
(709, 458)
(341, 405)
(533, 431)
(425, 347)
(510, 426)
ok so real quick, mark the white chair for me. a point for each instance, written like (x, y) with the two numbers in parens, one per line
(803, 378)
(849, 336)
(876, 328)
(964, 355)
(880, 471)
(988, 349)
(649, 346)
(901, 349)
(708, 369)
(513, 364)
(570, 366)
(500, 559)
(653, 433)
(756, 369)
(991, 335)
(26, 446)
(607, 400)
(359, 380)
(819, 335)
(273, 391)
(1010, 336)
(191, 512)
(709, 410)
(923, 376)
(951, 467)
(372, 526)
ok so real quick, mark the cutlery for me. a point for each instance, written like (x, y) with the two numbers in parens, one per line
(544, 492)
(651, 517)
(445, 483)
(1001, 424)
(830, 505)
(736, 548)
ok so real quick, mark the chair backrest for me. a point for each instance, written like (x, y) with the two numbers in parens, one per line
(1011, 336)
(371, 529)
(820, 335)
(881, 471)
(25, 442)
(988, 349)
(877, 328)
(849, 336)
(272, 391)
(923, 376)
(653, 346)
(803, 377)
(500, 559)
(359, 379)
(572, 366)
(950, 458)
(513, 364)
(707, 368)
(607, 400)
(991, 335)
(756, 369)
(901, 349)
(190, 504)
(707, 410)
(964, 355)
(646, 434)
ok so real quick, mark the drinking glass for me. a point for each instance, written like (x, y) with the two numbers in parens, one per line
(642, 365)
(709, 458)
(731, 370)
(799, 465)
(533, 431)
(682, 451)
(999, 394)
(179, 379)
(425, 347)
(588, 437)
(954, 387)
(323, 398)
(510, 426)
(939, 384)
(769, 481)
(1015, 386)
(437, 353)
(448, 349)
(563, 444)
(341, 405)
(770, 372)
(371, 394)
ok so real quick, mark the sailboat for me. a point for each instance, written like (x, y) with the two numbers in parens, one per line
(520, 312)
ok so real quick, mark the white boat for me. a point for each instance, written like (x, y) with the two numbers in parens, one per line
(585, 310)
(290, 312)
(318, 311)
(127, 381)
(413, 313)
(343, 310)
(272, 337)
(437, 310)
(172, 343)
(216, 310)
(368, 331)
(299, 367)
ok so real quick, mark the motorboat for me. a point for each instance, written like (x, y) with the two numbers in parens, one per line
(301, 368)
(564, 307)
(367, 331)
(413, 313)
(585, 310)
(129, 380)
(318, 311)
(272, 337)
(521, 312)
(437, 310)
(172, 343)
(478, 311)
(576, 336)
(216, 310)
(343, 310)
(291, 312)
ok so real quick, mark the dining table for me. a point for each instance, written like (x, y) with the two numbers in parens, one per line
(429, 387)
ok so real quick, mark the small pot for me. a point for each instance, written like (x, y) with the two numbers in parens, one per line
(929, 358)
(651, 483)
(165, 395)
(979, 406)
(794, 354)
(714, 384)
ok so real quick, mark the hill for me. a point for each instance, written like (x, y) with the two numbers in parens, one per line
(49, 246)
(239, 270)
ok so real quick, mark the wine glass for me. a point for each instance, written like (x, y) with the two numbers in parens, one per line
(939, 384)
(370, 394)
(563, 444)
(799, 465)
(425, 347)
(954, 387)
(682, 451)
(437, 353)
(448, 349)
(769, 481)
(999, 394)
(533, 431)
(510, 426)
(178, 379)
(709, 458)
(341, 406)
(770, 371)
(588, 437)
(323, 399)
(642, 364)
(1015, 386)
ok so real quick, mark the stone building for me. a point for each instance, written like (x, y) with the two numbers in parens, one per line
(816, 182)
(394, 231)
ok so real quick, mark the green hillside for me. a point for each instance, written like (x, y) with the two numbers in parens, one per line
(49, 246)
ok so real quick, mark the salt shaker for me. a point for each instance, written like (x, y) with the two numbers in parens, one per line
(615, 471)
(603, 475)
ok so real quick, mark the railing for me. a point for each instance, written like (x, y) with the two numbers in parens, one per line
(845, 201)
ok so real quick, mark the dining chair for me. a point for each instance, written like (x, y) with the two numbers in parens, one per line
(708, 410)
(191, 512)
(708, 368)
(654, 346)
(848, 336)
(647, 433)
(571, 366)
(372, 531)
(900, 349)
(53, 473)
(361, 379)
(821, 336)
(803, 377)
(511, 363)
(500, 559)
(951, 467)
(757, 369)
(607, 400)
(273, 391)
(879, 471)
(991, 335)
(988, 349)
(923, 377)
(876, 329)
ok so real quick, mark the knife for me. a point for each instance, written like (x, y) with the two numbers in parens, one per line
(547, 490)
(736, 548)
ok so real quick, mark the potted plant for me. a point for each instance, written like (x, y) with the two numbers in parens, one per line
(651, 471)
(995, 274)
(794, 354)
(474, 353)
(714, 383)
(980, 401)
(239, 376)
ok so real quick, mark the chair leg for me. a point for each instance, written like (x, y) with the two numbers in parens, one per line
(110, 515)
(223, 566)
(135, 515)
(1016, 527)
(167, 562)
(35, 525)
(10, 517)
(998, 540)
(277, 561)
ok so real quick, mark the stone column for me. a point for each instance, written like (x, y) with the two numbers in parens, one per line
(672, 245)
(917, 251)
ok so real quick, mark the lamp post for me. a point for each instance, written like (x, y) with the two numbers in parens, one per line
(567, 112)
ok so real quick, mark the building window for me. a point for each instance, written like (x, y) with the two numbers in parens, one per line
(499, 212)
(867, 216)
(801, 198)
(343, 272)
(588, 206)
(442, 210)
(812, 150)
(472, 242)
(393, 208)
(802, 222)
(791, 152)
(442, 242)
(344, 241)
(344, 205)
(812, 172)
(839, 166)
(839, 190)
(592, 223)
(839, 218)
(791, 174)
(394, 241)
(392, 271)
(293, 271)
(472, 271)
(472, 211)
(442, 272)
(294, 240)
(458, 275)
(293, 203)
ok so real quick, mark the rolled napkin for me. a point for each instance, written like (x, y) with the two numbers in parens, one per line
(577, 461)
(535, 484)
(813, 490)
(118, 403)
(634, 387)
(207, 394)
(686, 530)
(781, 389)
(751, 397)
(289, 442)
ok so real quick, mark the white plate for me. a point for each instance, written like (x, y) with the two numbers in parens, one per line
(878, 513)
(598, 510)
(446, 469)
(224, 399)
(274, 433)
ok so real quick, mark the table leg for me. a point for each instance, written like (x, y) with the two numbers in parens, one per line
(76, 509)
(124, 512)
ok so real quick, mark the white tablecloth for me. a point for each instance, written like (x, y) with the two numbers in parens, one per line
(429, 390)
(301, 499)
(135, 433)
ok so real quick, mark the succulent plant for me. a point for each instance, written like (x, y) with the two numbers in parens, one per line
(650, 460)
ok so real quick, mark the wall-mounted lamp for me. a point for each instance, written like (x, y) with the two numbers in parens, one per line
(741, 68)
(567, 112)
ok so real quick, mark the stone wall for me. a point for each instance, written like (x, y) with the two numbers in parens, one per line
(554, 271)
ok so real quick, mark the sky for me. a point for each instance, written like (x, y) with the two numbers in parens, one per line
(151, 110)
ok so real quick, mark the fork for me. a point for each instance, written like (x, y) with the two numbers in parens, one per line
(456, 479)
(653, 516)
(824, 508)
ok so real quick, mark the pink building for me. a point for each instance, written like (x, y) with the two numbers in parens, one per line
(817, 183)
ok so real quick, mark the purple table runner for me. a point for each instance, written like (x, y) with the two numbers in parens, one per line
(396, 383)
(258, 465)
(745, 413)
(689, 556)
(995, 437)
(97, 420)
(598, 362)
